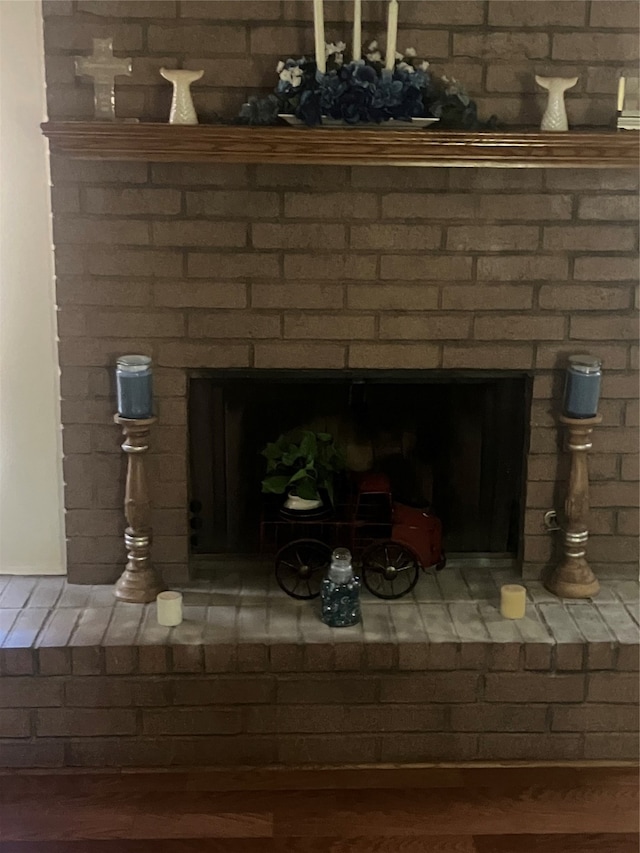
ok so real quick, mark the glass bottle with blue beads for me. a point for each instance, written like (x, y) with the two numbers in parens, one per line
(341, 592)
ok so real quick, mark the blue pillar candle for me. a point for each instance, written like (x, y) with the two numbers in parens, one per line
(134, 384)
(582, 386)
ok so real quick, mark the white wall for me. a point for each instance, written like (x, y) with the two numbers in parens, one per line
(31, 503)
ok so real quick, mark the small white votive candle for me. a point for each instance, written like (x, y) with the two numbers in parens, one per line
(169, 608)
(513, 600)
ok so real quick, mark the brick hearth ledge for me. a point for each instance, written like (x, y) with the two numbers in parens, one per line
(252, 677)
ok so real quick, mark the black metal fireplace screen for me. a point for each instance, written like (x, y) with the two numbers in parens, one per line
(455, 442)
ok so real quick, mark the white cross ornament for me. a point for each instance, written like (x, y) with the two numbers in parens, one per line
(104, 67)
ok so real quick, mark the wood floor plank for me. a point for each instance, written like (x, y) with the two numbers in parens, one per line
(153, 802)
(600, 843)
(424, 844)
(55, 820)
(442, 812)
(268, 779)
(131, 817)
(475, 810)
(308, 813)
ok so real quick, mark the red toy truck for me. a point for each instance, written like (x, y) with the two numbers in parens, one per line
(391, 541)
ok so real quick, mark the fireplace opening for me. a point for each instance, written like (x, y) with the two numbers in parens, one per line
(452, 442)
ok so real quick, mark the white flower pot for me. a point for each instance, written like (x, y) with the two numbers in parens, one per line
(294, 502)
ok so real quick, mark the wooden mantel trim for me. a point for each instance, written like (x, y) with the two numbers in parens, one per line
(342, 146)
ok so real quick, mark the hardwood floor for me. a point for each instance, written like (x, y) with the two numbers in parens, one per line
(549, 809)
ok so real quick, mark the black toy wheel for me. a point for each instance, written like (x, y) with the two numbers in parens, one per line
(300, 567)
(389, 569)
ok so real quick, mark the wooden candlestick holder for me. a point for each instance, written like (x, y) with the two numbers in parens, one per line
(573, 577)
(139, 582)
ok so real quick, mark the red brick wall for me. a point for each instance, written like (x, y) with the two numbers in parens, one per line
(494, 47)
(211, 266)
(168, 708)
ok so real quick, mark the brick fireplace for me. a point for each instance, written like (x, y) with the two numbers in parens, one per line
(210, 267)
(266, 270)
(219, 271)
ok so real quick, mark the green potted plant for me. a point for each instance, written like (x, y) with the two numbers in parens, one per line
(303, 465)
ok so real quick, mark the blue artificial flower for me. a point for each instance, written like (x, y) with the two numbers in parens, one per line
(365, 74)
(309, 110)
(363, 91)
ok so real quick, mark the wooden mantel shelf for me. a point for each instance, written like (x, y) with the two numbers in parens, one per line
(349, 147)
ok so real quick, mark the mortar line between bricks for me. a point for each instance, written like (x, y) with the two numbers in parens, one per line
(548, 722)
(139, 724)
(616, 655)
(32, 724)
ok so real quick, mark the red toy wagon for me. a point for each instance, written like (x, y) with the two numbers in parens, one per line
(391, 541)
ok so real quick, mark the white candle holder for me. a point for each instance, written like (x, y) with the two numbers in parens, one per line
(182, 109)
(555, 115)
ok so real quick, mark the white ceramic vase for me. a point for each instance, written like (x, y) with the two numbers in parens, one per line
(555, 115)
(182, 109)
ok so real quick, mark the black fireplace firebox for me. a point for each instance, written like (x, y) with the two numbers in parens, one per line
(455, 442)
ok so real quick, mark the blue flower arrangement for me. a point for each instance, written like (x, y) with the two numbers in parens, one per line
(364, 92)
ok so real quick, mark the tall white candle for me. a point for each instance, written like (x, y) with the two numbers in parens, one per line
(357, 29)
(392, 35)
(318, 29)
(620, 94)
